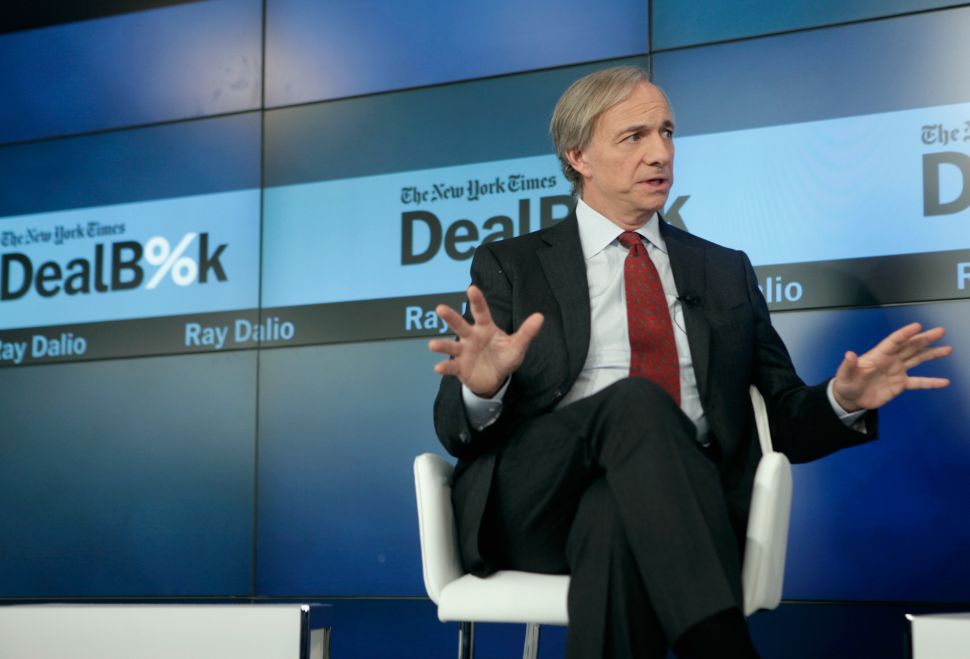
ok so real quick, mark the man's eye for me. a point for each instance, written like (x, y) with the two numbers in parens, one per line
(633, 137)
(668, 132)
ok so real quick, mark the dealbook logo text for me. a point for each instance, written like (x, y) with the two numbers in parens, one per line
(117, 266)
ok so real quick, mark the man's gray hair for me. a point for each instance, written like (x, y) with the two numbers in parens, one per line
(578, 109)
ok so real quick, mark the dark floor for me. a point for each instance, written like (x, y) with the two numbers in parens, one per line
(405, 629)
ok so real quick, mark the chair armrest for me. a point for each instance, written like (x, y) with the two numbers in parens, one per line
(763, 572)
(440, 558)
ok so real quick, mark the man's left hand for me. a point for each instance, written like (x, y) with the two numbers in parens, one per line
(871, 380)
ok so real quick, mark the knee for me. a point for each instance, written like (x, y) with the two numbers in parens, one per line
(631, 394)
(643, 402)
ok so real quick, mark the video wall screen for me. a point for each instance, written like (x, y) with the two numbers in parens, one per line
(189, 60)
(678, 23)
(325, 50)
(339, 428)
(884, 521)
(128, 477)
(839, 160)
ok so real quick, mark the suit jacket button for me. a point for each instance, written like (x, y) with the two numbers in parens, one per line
(558, 394)
(463, 436)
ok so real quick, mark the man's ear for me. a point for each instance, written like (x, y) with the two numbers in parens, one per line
(578, 162)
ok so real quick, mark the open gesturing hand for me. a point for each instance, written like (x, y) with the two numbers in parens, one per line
(873, 379)
(484, 356)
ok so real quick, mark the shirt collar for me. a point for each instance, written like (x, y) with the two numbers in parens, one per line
(596, 231)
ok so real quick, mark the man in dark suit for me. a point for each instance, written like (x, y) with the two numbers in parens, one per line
(636, 486)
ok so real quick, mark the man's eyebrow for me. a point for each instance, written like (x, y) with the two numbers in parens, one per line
(639, 128)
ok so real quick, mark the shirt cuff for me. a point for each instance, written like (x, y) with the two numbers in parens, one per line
(483, 412)
(853, 420)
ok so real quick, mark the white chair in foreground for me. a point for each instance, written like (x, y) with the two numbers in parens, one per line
(540, 599)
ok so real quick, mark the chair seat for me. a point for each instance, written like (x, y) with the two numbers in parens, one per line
(506, 596)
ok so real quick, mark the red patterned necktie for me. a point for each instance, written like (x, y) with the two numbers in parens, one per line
(653, 353)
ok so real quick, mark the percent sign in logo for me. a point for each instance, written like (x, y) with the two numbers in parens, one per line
(159, 253)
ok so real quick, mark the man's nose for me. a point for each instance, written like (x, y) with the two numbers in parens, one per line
(656, 153)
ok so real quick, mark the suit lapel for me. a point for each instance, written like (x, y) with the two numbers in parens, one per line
(688, 263)
(565, 270)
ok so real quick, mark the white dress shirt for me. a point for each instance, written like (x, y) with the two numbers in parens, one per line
(608, 357)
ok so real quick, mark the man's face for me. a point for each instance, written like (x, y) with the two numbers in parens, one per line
(628, 166)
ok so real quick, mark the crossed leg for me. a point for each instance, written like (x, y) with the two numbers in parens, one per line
(615, 490)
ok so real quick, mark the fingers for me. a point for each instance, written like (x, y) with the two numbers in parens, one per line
(445, 347)
(909, 345)
(447, 367)
(927, 355)
(528, 330)
(919, 341)
(454, 320)
(845, 381)
(926, 383)
(482, 337)
(457, 323)
(932, 335)
(896, 341)
(478, 305)
(914, 350)
(847, 369)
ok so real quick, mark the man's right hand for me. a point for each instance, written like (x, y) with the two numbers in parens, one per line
(484, 356)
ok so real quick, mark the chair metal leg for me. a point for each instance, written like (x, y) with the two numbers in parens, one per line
(466, 640)
(531, 648)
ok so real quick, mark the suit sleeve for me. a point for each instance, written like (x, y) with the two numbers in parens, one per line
(450, 420)
(803, 424)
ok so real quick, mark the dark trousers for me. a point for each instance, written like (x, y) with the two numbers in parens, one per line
(615, 490)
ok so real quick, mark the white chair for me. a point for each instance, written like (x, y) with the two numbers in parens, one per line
(540, 599)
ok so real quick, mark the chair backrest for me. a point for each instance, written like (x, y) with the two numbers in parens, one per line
(440, 560)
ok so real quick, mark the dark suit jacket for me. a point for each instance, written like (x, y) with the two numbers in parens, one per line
(732, 342)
